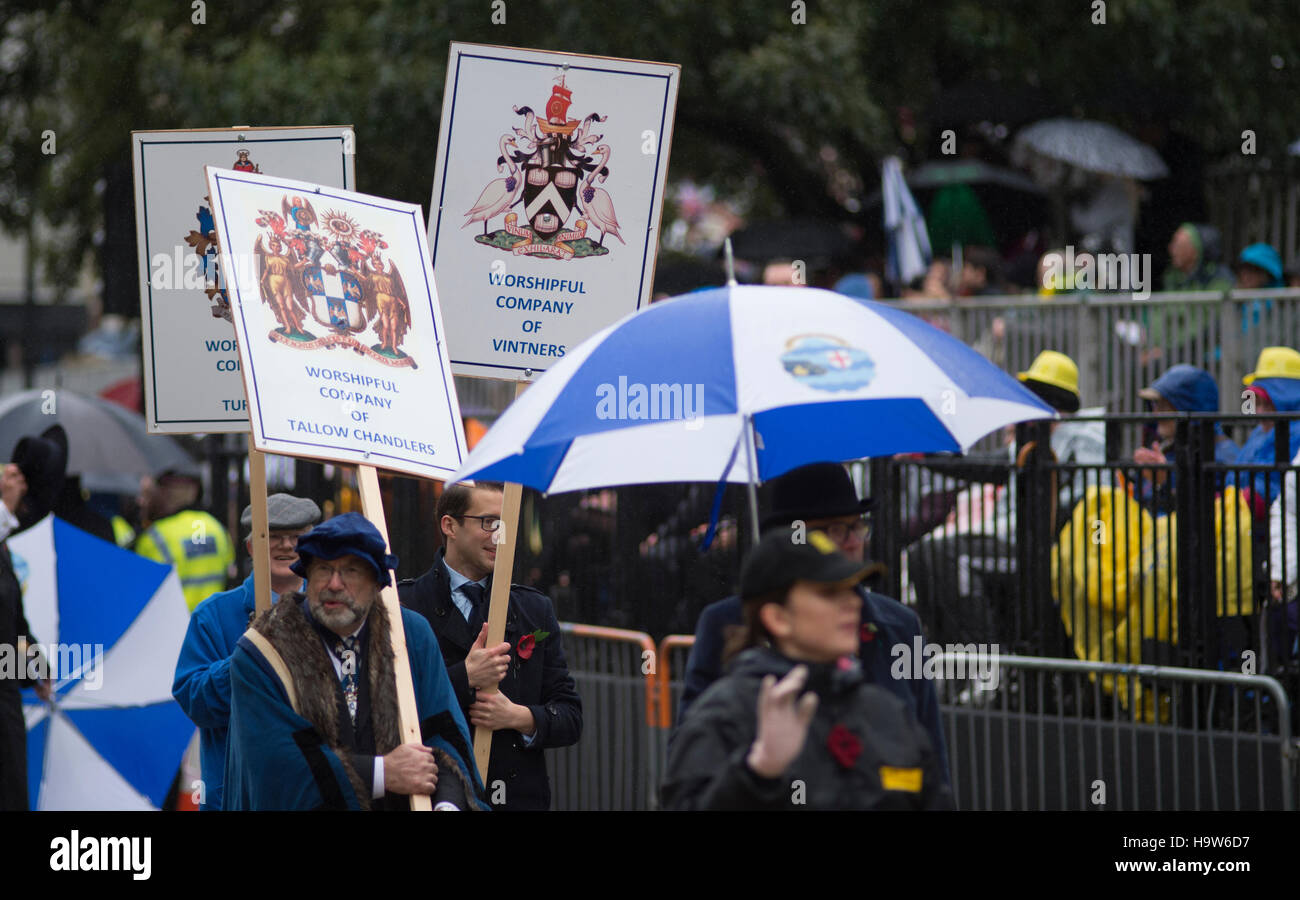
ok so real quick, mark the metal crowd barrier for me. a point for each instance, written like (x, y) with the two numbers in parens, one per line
(1044, 734)
(614, 766)
(1047, 736)
(1121, 341)
(1163, 564)
(630, 692)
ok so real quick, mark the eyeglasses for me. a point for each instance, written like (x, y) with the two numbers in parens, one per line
(351, 573)
(839, 531)
(487, 523)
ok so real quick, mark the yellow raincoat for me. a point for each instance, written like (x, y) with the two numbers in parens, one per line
(1114, 577)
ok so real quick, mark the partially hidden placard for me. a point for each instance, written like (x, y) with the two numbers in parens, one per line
(190, 365)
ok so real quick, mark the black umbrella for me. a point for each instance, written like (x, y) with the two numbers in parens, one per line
(676, 274)
(791, 239)
(108, 446)
(995, 102)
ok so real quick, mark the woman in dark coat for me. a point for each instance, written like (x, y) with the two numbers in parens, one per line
(819, 737)
(28, 487)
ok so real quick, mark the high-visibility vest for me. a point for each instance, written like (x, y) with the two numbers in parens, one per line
(123, 533)
(196, 544)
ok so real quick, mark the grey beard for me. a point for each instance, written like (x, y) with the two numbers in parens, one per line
(339, 620)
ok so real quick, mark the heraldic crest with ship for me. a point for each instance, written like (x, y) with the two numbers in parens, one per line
(552, 167)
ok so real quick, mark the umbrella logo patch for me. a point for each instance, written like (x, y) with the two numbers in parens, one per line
(827, 363)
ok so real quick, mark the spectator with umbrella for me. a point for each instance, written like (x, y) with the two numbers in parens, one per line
(1060, 150)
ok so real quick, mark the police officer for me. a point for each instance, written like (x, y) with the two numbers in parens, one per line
(178, 534)
(796, 723)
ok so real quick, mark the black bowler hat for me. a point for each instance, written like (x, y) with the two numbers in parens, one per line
(783, 557)
(43, 461)
(816, 491)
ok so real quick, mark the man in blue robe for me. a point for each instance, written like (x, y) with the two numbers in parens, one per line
(202, 682)
(314, 719)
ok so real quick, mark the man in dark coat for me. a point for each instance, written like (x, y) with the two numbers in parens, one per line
(822, 496)
(536, 706)
(28, 488)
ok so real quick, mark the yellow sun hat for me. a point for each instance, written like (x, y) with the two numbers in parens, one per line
(1054, 377)
(1058, 370)
(1275, 362)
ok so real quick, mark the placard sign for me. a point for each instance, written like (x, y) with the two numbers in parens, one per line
(547, 194)
(339, 330)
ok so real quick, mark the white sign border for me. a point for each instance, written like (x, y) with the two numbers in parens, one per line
(650, 255)
(343, 455)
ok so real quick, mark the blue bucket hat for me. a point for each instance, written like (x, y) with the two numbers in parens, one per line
(350, 533)
(1263, 256)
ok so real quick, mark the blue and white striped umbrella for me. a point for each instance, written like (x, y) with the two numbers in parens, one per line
(111, 623)
(667, 394)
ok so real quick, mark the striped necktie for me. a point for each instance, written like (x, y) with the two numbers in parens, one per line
(345, 650)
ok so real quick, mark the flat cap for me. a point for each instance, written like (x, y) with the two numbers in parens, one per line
(284, 512)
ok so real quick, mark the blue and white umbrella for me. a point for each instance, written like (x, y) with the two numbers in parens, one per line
(746, 383)
(112, 623)
(909, 242)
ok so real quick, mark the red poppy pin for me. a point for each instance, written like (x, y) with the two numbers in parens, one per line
(868, 632)
(529, 642)
(844, 746)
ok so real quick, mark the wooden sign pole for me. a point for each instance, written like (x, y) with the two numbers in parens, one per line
(261, 529)
(499, 603)
(372, 507)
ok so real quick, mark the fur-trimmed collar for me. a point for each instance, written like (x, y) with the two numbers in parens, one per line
(287, 626)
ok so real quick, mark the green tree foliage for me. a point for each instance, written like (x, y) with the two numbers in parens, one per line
(770, 110)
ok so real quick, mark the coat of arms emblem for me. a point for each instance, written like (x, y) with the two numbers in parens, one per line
(330, 271)
(552, 166)
(204, 244)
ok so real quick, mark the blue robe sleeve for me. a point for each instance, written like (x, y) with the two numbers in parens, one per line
(202, 682)
(275, 759)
